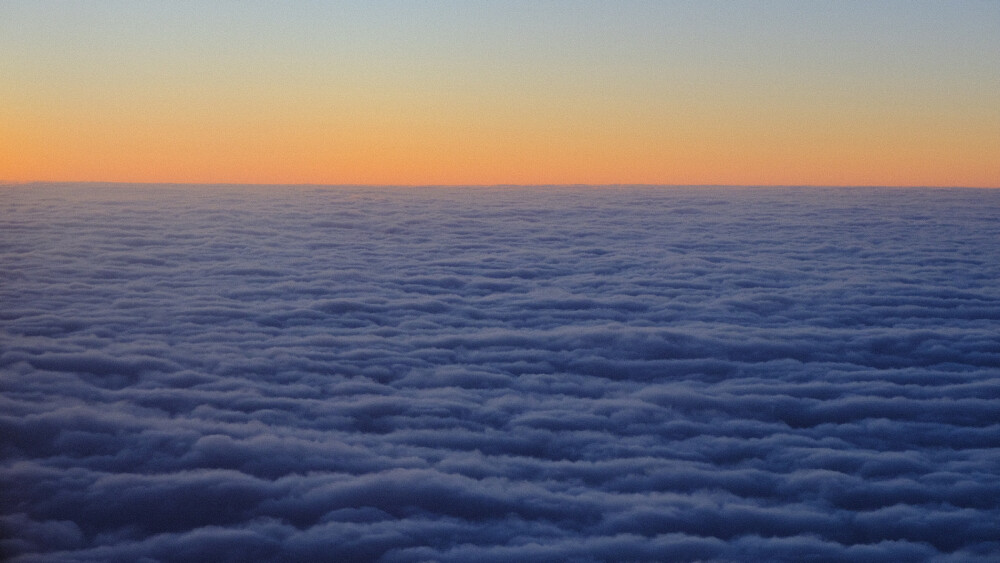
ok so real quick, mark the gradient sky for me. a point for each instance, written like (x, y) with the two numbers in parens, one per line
(464, 92)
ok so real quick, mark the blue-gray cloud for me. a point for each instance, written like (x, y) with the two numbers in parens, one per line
(315, 374)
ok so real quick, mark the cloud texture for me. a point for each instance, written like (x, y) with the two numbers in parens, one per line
(319, 374)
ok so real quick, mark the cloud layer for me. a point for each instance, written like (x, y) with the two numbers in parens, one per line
(485, 374)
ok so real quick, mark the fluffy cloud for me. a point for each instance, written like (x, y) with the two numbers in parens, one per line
(499, 374)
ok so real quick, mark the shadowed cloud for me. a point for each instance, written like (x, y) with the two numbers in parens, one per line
(355, 374)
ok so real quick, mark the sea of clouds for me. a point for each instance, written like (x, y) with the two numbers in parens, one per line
(499, 374)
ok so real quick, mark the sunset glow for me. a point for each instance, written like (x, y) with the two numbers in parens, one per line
(793, 93)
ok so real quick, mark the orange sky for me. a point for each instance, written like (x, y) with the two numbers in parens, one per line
(129, 93)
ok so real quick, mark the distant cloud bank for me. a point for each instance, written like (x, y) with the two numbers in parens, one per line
(310, 374)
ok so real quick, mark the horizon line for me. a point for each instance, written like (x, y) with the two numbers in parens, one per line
(502, 185)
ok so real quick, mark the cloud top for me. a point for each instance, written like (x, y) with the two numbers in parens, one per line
(321, 374)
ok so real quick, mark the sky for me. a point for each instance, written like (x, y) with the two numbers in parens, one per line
(473, 92)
